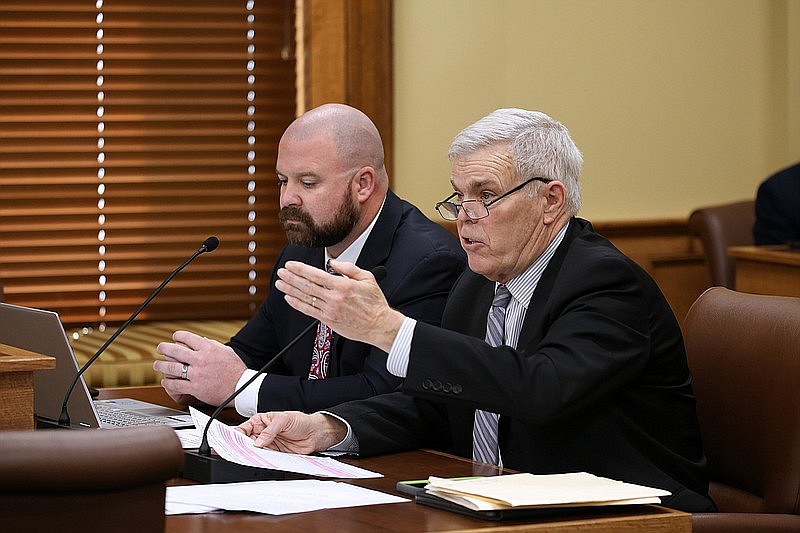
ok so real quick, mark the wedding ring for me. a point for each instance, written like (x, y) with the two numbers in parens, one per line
(314, 302)
(185, 371)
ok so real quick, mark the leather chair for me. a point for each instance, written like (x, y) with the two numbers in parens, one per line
(93, 480)
(718, 227)
(744, 353)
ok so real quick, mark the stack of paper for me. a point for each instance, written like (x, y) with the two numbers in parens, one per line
(235, 447)
(525, 491)
(271, 497)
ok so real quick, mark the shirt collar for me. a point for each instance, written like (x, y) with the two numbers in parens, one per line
(523, 286)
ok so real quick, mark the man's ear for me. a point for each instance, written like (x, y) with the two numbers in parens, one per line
(555, 198)
(365, 183)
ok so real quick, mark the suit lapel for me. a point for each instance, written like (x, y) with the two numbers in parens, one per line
(468, 305)
(379, 243)
(466, 312)
(314, 257)
(535, 315)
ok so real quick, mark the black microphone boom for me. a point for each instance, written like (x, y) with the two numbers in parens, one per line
(209, 245)
(202, 466)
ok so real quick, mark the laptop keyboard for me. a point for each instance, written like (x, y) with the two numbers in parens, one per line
(114, 416)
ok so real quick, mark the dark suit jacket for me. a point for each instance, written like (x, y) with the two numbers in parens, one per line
(422, 260)
(599, 381)
(778, 208)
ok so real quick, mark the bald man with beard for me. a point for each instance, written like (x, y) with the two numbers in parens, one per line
(335, 204)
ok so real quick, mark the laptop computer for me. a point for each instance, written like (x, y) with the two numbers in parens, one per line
(41, 331)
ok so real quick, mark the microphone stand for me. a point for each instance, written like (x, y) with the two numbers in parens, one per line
(209, 245)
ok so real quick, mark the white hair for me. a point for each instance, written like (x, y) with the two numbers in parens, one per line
(540, 146)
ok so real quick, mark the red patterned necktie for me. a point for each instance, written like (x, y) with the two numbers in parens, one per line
(322, 347)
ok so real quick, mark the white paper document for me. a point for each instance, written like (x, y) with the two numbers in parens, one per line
(272, 497)
(238, 448)
(553, 490)
(190, 437)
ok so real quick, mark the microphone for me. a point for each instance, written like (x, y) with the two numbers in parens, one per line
(202, 466)
(209, 245)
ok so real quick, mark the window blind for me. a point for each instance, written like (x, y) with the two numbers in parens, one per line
(129, 132)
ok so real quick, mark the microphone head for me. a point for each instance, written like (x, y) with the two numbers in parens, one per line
(379, 272)
(210, 244)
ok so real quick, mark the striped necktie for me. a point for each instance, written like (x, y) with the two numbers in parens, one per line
(484, 432)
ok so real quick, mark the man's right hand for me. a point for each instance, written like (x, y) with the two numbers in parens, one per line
(294, 432)
(212, 369)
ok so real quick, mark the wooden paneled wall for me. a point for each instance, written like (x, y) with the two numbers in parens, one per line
(665, 249)
(348, 59)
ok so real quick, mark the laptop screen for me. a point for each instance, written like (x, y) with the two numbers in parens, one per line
(41, 331)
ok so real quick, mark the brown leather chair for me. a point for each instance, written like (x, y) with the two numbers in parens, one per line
(744, 353)
(718, 227)
(86, 480)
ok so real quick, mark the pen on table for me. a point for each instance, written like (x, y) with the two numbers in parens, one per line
(418, 481)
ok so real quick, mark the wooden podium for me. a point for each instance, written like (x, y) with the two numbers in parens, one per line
(16, 385)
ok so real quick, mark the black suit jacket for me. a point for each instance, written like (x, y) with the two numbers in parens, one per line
(778, 208)
(422, 260)
(599, 381)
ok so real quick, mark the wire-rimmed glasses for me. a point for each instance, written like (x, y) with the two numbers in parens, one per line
(477, 209)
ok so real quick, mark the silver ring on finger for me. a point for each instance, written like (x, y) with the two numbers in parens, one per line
(185, 371)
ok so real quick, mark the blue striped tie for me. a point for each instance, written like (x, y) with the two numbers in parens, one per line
(484, 432)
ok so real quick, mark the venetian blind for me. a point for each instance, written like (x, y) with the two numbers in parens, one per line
(129, 132)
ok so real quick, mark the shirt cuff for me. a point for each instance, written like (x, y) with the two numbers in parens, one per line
(246, 402)
(397, 362)
(347, 445)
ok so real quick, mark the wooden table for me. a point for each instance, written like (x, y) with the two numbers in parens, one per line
(16, 385)
(773, 270)
(407, 517)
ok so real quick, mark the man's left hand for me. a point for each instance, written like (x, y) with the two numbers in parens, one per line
(351, 304)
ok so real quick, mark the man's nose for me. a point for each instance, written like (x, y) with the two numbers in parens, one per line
(290, 195)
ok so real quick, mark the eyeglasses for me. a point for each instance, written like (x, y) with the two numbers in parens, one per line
(477, 209)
